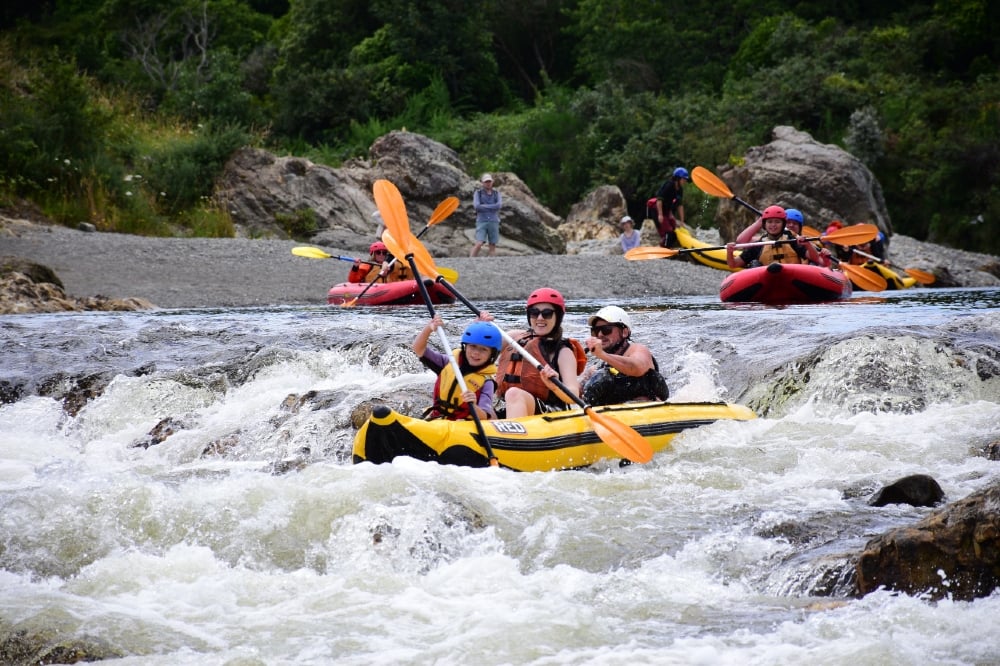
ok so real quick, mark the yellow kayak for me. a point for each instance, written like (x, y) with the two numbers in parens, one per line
(554, 441)
(893, 279)
(712, 258)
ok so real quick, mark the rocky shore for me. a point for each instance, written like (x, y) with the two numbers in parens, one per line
(242, 272)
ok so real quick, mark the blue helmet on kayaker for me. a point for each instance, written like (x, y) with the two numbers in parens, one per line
(681, 172)
(482, 333)
(795, 215)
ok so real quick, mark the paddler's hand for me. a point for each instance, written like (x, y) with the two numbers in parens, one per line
(484, 316)
(469, 397)
(593, 346)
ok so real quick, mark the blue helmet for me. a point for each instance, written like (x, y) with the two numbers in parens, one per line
(795, 215)
(681, 172)
(482, 333)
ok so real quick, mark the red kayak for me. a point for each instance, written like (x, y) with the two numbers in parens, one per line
(777, 284)
(404, 292)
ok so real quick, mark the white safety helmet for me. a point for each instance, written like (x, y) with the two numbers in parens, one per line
(611, 314)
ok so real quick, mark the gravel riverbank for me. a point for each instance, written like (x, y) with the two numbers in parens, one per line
(240, 272)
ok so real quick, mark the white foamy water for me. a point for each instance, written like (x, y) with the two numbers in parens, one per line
(247, 537)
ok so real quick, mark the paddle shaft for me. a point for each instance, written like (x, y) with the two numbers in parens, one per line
(454, 363)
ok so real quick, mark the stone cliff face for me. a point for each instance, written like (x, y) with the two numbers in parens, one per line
(794, 170)
(282, 197)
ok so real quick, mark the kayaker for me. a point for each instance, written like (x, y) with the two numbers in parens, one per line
(382, 267)
(793, 249)
(627, 370)
(481, 343)
(794, 223)
(524, 389)
(670, 207)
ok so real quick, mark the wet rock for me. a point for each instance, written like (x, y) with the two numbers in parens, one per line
(954, 552)
(160, 432)
(915, 490)
(40, 290)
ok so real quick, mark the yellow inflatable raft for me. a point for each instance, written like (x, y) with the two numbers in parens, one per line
(558, 440)
(711, 258)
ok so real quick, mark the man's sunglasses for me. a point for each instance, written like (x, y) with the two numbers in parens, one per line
(534, 313)
(603, 329)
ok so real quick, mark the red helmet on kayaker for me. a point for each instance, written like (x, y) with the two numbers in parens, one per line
(774, 212)
(377, 246)
(547, 295)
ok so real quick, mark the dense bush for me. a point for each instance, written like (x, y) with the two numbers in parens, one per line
(135, 104)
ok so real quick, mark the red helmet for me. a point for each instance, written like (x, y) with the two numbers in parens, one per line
(547, 295)
(774, 212)
(377, 245)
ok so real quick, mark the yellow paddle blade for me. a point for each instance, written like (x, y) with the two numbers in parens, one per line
(649, 252)
(311, 252)
(709, 183)
(864, 278)
(625, 441)
(443, 211)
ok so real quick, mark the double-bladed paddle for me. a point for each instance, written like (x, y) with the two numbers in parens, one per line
(390, 205)
(621, 438)
(858, 233)
(923, 277)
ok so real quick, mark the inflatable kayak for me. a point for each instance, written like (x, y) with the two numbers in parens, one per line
(893, 279)
(554, 441)
(403, 292)
(715, 258)
(785, 283)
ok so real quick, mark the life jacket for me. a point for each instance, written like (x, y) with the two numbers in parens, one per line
(448, 394)
(513, 370)
(399, 271)
(608, 386)
(779, 254)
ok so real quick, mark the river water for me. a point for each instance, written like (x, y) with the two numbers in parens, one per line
(248, 537)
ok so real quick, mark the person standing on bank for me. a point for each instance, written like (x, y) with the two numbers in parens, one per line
(670, 207)
(487, 203)
(629, 237)
(627, 371)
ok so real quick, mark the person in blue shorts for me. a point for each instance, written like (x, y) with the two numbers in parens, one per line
(487, 203)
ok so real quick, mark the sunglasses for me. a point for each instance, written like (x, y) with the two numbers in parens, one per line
(378, 252)
(603, 329)
(534, 313)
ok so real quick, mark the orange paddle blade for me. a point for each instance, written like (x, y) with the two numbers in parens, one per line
(443, 211)
(923, 277)
(855, 234)
(625, 441)
(864, 278)
(390, 205)
(709, 183)
(649, 252)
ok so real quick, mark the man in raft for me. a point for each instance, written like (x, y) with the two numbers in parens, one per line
(627, 370)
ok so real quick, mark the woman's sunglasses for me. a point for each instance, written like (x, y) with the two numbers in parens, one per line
(603, 329)
(534, 313)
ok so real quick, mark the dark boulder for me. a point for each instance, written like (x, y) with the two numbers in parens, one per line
(952, 553)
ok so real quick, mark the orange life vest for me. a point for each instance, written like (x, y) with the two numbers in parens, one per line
(513, 370)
